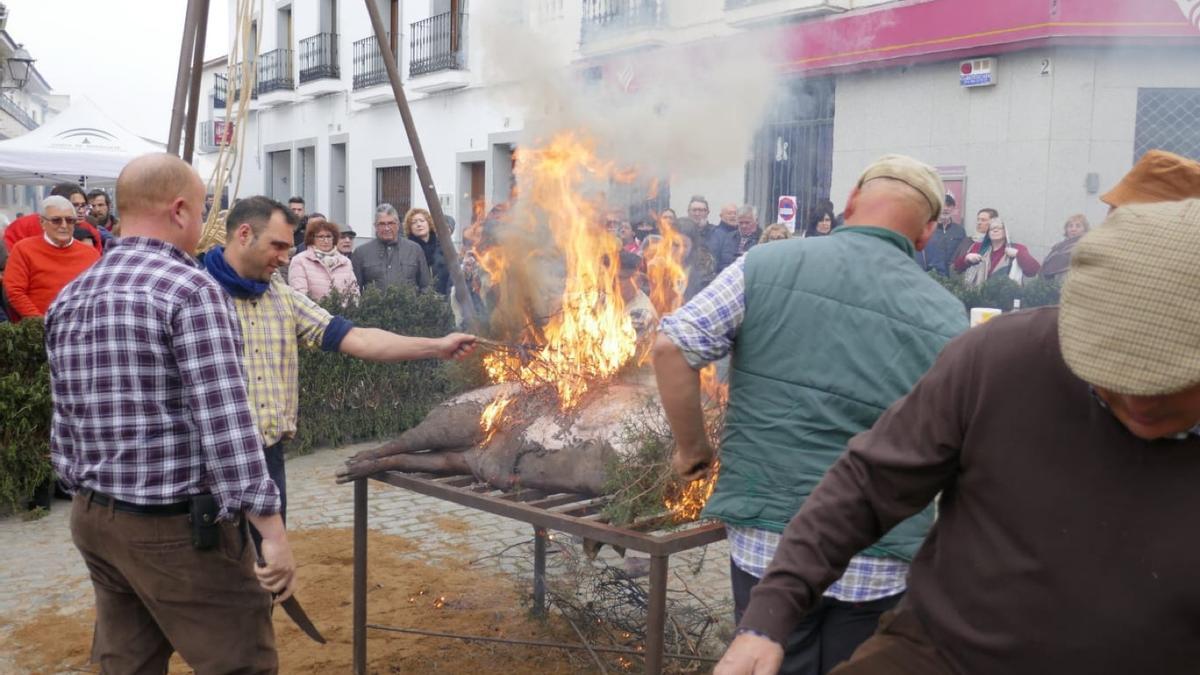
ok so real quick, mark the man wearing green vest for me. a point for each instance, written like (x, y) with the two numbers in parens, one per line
(825, 333)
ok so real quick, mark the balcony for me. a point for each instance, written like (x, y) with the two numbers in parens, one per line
(17, 112)
(212, 133)
(607, 18)
(235, 87)
(275, 72)
(319, 58)
(368, 64)
(220, 90)
(752, 13)
(438, 44)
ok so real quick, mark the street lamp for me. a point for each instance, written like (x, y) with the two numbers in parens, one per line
(18, 68)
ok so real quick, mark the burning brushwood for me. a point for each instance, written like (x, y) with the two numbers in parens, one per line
(576, 325)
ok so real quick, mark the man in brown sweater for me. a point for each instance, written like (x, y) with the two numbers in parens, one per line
(1064, 444)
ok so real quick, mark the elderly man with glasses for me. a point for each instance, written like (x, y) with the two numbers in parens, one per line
(31, 225)
(390, 260)
(39, 267)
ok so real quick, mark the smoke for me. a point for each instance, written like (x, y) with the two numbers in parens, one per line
(662, 110)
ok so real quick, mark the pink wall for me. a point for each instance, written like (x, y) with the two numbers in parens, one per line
(925, 30)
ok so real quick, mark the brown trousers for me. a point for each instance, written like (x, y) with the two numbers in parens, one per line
(156, 594)
(898, 647)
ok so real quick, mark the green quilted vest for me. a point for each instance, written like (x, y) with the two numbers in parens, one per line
(836, 329)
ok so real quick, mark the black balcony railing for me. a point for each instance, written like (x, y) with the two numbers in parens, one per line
(17, 112)
(605, 17)
(275, 71)
(439, 43)
(319, 58)
(368, 64)
(235, 87)
(220, 90)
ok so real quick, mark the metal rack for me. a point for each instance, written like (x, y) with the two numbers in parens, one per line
(571, 513)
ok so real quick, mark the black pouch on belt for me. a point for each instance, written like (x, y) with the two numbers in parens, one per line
(202, 514)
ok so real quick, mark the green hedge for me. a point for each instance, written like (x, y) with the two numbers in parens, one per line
(342, 399)
(24, 412)
(1000, 292)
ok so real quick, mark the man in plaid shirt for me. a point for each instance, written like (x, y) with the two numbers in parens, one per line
(275, 320)
(150, 410)
(825, 333)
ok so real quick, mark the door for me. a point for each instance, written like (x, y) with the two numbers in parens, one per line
(337, 183)
(793, 151)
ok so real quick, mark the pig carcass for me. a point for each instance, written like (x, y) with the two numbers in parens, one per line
(534, 446)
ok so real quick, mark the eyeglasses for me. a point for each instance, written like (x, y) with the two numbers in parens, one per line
(385, 223)
(60, 220)
(327, 237)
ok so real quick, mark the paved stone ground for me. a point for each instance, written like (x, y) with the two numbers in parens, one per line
(40, 569)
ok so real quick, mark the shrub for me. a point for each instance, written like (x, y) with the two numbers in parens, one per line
(1000, 292)
(344, 399)
(24, 412)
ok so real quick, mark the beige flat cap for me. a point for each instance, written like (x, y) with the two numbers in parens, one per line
(1130, 311)
(916, 174)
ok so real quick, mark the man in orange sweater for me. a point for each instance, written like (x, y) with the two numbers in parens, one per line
(39, 267)
(30, 226)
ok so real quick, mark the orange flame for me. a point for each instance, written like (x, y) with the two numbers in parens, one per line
(687, 504)
(664, 268)
(589, 336)
(490, 418)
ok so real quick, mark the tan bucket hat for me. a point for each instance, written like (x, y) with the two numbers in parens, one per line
(1130, 311)
(1159, 176)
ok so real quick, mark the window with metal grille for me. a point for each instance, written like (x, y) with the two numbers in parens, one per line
(793, 151)
(1167, 119)
(393, 185)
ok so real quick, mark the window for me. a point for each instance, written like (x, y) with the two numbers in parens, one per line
(1167, 119)
(393, 184)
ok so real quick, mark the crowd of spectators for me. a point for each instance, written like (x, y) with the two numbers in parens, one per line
(406, 250)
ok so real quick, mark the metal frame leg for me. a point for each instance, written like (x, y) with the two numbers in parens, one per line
(539, 571)
(656, 621)
(360, 576)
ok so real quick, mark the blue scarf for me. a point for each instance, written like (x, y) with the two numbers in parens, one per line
(238, 287)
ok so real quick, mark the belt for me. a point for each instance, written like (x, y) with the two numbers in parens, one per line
(175, 509)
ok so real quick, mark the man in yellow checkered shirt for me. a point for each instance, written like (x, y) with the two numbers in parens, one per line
(275, 320)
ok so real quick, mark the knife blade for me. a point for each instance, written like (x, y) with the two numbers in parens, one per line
(296, 613)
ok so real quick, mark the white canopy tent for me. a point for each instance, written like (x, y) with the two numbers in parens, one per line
(80, 143)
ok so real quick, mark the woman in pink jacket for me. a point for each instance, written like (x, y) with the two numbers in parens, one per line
(319, 268)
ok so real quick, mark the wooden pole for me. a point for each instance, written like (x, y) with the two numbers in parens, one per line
(431, 197)
(193, 109)
(186, 45)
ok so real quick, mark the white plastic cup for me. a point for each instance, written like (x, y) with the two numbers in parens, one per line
(983, 315)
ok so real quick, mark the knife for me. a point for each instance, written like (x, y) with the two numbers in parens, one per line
(296, 613)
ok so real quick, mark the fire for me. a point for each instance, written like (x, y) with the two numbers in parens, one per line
(490, 418)
(664, 268)
(687, 504)
(588, 336)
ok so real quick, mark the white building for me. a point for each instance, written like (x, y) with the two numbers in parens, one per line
(1074, 91)
(22, 109)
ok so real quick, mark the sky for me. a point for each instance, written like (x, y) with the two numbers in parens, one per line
(121, 54)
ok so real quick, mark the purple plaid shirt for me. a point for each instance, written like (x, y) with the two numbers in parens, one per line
(150, 401)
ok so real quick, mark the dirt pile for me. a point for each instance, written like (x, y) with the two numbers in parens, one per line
(406, 588)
